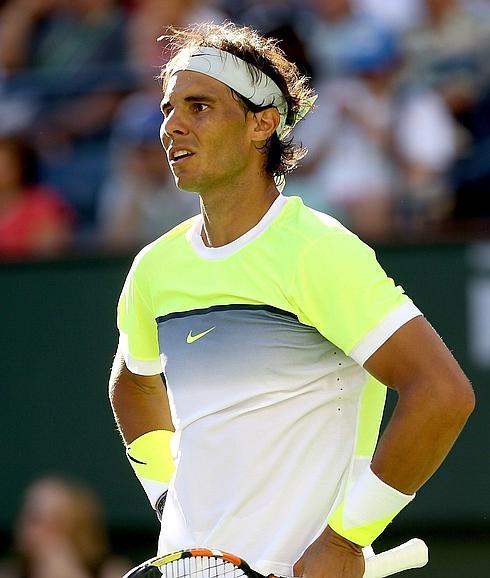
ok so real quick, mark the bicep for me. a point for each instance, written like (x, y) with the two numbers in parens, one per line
(121, 375)
(415, 354)
(140, 402)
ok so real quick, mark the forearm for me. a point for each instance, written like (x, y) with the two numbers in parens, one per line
(435, 400)
(423, 427)
(142, 413)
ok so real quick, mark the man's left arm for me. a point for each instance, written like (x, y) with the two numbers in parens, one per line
(434, 401)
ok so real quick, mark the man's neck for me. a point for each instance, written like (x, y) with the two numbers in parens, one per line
(228, 216)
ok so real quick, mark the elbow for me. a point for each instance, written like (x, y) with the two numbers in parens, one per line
(450, 401)
(467, 400)
(458, 402)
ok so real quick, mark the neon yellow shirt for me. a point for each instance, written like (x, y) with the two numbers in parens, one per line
(262, 343)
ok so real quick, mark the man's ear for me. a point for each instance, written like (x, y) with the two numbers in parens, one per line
(264, 123)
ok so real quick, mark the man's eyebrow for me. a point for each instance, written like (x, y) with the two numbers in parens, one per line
(200, 98)
(191, 98)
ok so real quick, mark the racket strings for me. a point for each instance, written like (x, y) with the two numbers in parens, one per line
(201, 567)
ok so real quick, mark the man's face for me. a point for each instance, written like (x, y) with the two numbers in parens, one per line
(205, 124)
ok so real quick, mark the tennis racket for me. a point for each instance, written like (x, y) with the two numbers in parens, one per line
(205, 563)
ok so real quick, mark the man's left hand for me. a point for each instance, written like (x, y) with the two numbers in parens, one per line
(331, 556)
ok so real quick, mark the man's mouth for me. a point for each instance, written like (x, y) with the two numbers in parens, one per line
(180, 156)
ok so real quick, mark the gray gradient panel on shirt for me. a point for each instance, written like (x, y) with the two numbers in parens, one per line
(236, 350)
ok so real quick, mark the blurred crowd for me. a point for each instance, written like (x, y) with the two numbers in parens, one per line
(399, 141)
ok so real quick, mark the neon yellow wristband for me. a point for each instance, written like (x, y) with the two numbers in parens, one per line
(151, 459)
(367, 509)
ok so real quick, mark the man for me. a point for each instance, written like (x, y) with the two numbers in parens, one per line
(273, 327)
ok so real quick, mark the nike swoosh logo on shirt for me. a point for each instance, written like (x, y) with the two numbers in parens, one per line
(191, 338)
(135, 460)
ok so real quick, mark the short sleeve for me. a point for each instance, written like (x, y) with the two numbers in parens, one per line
(342, 290)
(138, 337)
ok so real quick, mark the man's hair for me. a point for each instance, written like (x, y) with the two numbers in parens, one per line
(282, 155)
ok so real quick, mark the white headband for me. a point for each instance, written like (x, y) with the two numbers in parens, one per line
(245, 79)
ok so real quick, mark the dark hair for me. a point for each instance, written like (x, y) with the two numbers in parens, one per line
(282, 154)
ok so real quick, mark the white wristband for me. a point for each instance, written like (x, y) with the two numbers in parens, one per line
(371, 499)
(367, 509)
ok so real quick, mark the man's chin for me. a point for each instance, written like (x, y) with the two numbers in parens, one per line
(185, 185)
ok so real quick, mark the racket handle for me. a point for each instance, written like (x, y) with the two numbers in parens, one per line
(411, 554)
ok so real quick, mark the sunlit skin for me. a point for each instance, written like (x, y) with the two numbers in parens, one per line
(226, 167)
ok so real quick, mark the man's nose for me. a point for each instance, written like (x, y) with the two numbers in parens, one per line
(174, 124)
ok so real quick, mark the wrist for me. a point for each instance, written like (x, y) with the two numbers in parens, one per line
(151, 459)
(367, 509)
(336, 538)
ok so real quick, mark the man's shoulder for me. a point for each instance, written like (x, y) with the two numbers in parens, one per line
(311, 225)
(315, 236)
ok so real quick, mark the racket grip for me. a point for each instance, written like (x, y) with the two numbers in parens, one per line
(411, 554)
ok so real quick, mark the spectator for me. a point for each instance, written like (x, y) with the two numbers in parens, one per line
(449, 52)
(59, 533)
(335, 27)
(401, 15)
(471, 174)
(140, 201)
(382, 150)
(66, 59)
(34, 219)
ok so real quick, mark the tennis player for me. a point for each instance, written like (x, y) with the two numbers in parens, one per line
(257, 339)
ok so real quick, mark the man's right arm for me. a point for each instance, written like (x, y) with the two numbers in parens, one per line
(139, 402)
(142, 413)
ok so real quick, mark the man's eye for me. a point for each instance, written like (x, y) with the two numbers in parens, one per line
(200, 106)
